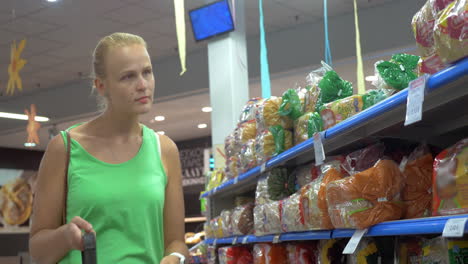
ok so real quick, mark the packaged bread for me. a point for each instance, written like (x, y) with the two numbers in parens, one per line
(268, 114)
(330, 175)
(271, 142)
(270, 254)
(333, 88)
(417, 193)
(306, 173)
(306, 126)
(409, 250)
(451, 32)
(366, 198)
(450, 180)
(249, 110)
(211, 254)
(291, 105)
(232, 165)
(247, 130)
(292, 214)
(340, 110)
(248, 156)
(208, 230)
(423, 28)
(363, 159)
(309, 96)
(242, 220)
(396, 73)
(16, 200)
(217, 227)
(302, 252)
(267, 219)
(235, 255)
(281, 183)
(226, 226)
(308, 203)
(373, 97)
(261, 193)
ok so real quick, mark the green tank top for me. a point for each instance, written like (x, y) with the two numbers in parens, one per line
(124, 202)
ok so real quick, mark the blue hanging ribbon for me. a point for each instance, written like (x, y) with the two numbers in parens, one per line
(264, 68)
(328, 56)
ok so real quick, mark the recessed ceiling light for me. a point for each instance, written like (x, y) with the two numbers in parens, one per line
(161, 132)
(159, 118)
(371, 78)
(202, 125)
(29, 145)
(51, 0)
(207, 109)
(22, 117)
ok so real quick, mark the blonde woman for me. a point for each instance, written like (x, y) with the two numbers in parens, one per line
(124, 181)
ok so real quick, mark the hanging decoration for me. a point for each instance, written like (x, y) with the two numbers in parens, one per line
(16, 64)
(360, 69)
(33, 126)
(180, 28)
(328, 56)
(264, 68)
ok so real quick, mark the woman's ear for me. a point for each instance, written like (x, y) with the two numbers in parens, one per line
(99, 84)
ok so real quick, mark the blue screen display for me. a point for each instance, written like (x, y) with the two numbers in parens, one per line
(211, 20)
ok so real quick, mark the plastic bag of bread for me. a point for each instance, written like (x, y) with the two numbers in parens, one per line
(423, 30)
(306, 173)
(267, 219)
(339, 110)
(226, 222)
(271, 142)
(216, 178)
(235, 255)
(270, 254)
(332, 88)
(211, 254)
(292, 214)
(451, 32)
(242, 219)
(208, 230)
(302, 253)
(372, 97)
(291, 105)
(363, 159)
(232, 164)
(308, 203)
(249, 110)
(366, 198)
(306, 126)
(281, 183)
(397, 73)
(261, 193)
(330, 251)
(229, 145)
(435, 251)
(247, 131)
(216, 227)
(309, 96)
(450, 180)
(248, 157)
(409, 250)
(268, 114)
(16, 200)
(417, 193)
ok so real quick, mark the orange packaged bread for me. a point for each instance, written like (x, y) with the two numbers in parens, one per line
(367, 198)
(417, 193)
(270, 254)
(331, 175)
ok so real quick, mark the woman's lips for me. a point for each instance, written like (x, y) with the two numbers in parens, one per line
(143, 100)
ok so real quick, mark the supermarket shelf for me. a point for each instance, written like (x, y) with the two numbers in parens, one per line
(195, 219)
(14, 230)
(307, 235)
(442, 88)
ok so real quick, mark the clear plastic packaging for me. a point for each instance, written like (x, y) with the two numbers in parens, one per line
(271, 142)
(363, 159)
(261, 193)
(417, 193)
(435, 251)
(306, 173)
(366, 198)
(267, 219)
(268, 114)
(226, 225)
(340, 110)
(409, 250)
(235, 255)
(292, 214)
(281, 183)
(372, 97)
(249, 111)
(247, 131)
(397, 73)
(217, 227)
(291, 105)
(450, 180)
(332, 174)
(248, 156)
(242, 220)
(332, 88)
(211, 254)
(308, 203)
(232, 165)
(306, 126)
(302, 253)
(270, 254)
(208, 230)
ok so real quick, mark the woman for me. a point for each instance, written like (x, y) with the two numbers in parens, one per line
(124, 181)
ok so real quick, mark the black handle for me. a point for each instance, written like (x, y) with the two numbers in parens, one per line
(88, 255)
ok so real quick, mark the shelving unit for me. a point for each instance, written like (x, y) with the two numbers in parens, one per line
(444, 111)
(14, 230)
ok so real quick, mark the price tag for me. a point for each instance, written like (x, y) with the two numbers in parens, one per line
(415, 100)
(245, 240)
(263, 168)
(215, 242)
(318, 149)
(236, 180)
(234, 241)
(454, 227)
(276, 239)
(354, 241)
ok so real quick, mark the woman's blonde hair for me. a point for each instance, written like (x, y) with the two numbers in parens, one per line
(103, 47)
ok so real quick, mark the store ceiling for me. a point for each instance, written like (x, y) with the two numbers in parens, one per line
(61, 36)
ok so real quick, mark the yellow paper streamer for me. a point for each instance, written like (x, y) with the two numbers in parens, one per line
(16, 64)
(33, 125)
(180, 28)
(360, 69)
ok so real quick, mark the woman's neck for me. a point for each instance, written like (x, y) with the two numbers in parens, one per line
(112, 124)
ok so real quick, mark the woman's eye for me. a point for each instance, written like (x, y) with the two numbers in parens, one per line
(147, 72)
(128, 76)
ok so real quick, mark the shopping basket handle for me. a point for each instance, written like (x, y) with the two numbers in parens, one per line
(88, 255)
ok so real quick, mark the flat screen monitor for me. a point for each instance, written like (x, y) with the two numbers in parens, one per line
(211, 20)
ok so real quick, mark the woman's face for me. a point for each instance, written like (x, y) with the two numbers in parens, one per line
(129, 82)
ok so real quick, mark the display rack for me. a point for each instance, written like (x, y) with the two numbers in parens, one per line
(444, 110)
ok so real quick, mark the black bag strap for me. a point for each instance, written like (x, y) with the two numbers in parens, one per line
(65, 188)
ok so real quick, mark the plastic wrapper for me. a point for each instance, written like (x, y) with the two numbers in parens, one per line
(232, 144)
(372, 97)
(397, 73)
(271, 142)
(232, 165)
(268, 114)
(306, 126)
(330, 252)
(450, 180)
(417, 193)
(306, 173)
(308, 203)
(216, 178)
(430, 64)
(367, 198)
(435, 251)
(363, 159)
(409, 250)
(309, 96)
(291, 105)
(267, 219)
(243, 200)
(292, 214)
(451, 32)
(281, 183)
(208, 230)
(339, 110)
(217, 227)
(423, 29)
(247, 131)
(331, 175)
(226, 226)
(248, 157)
(302, 253)
(242, 220)
(235, 255)
(332, 88)
(211, 254)
(270, 254)
(249, 111)
(261, 193)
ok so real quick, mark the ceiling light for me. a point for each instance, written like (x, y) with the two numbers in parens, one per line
(207, 109)
(51, 0)
(22, 117)
(371, 78)
(29, 145)
(159, 118)
(202, 125)
(161, 132)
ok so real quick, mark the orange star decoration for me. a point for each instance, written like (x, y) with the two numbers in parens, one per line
(16, 64)
(33, 125)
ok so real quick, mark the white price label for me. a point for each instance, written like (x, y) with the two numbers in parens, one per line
(236, 180)
(354, 241)
(245, 240)
(276, 239)
(318, 149)
(263, 168)
(415, 100)
(454, 227)
(215, 242)
(234, 241)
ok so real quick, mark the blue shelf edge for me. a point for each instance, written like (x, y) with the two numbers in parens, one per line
(434, 82)
(294, 236)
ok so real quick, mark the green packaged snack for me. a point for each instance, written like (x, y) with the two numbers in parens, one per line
(332, 88)
(291, 105)
(372, 97)
(280, 184)
(314, 124)
(398, 72)
(306, 126)
(278, 136)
